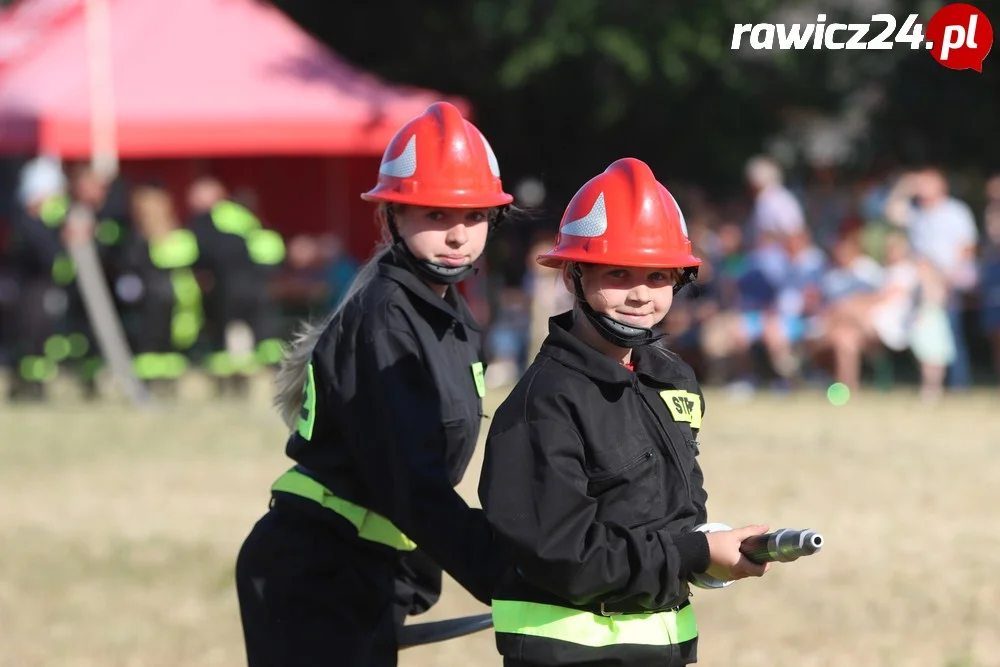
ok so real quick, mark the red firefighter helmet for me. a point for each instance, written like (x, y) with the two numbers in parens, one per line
(623, 217)
(439, 159)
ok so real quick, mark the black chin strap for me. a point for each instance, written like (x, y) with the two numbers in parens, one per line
(615, 332)
(439, 274)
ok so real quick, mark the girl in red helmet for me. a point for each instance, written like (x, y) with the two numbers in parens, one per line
(384, 401)
(591, 478)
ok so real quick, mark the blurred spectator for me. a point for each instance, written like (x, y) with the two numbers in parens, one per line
(300, 283)
(931, 338)
(776, 211)
(990, 302)
(521, 318)
(240, 255)
(508, 337)
(54, 327)
(92, 190)
(852, 271)
(159, 283)
(697, 303)
(943, 230)
(547, 293)
(204, 193)
(798, 299)
(728, 262)
(873, 195)
(828, 206)
(40, 268)
(864, 319)
(338, 269)
(776, 289)
(317, 274)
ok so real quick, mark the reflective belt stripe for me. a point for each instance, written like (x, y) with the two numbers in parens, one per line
(159, 366)
(370, 526)
(265, 247)
(582, 627)
(224, 364)
(38, 369)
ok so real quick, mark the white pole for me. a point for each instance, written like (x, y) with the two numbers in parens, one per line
(103, 124)
(93, 284)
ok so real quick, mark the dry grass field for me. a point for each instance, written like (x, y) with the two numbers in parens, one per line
(118, 531)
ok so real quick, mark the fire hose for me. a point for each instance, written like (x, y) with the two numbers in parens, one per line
(439, 631)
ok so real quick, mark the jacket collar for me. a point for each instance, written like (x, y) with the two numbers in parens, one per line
(651, 362)
(453, 304)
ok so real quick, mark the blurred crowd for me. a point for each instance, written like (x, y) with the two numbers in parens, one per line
(189, 288)
(836, 284)
(833, 282)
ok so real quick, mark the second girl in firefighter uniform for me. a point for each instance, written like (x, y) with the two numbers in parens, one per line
(591, 477)
(385, 399)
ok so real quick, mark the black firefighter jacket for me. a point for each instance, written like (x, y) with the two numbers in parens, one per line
(591, 480)
(398, 384)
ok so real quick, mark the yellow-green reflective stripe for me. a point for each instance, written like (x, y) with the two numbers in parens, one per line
(265, 247)
(38, 369)
(176, 250)
(184, 328)
(78, 345)
(223, 364)
(480, 378)
(63, 270)
(307, 415)
(57, 348)
(108, 232)
(157, 366)
(173, 364)
(186, 288)
(53, 210)
(269, 351)
(582, 627)
(370, 526)
(232, 218)
(220, 364)
(146, 366)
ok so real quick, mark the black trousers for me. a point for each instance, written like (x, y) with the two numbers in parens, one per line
(35, 322)
(242, 296)
(37, 315)
(154, 315)
(312, 594)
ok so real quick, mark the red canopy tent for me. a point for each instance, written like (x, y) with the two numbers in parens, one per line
(233, 83)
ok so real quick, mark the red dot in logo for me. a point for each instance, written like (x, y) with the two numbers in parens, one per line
(961, 36)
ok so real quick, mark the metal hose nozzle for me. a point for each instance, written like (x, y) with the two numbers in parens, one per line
(782, 546)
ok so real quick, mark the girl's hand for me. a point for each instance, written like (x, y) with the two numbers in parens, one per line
(727, 562)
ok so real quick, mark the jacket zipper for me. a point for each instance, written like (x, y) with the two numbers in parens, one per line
(670, 443)
(609, 474)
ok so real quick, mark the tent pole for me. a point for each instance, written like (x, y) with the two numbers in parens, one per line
(93, 283)
(103, 130)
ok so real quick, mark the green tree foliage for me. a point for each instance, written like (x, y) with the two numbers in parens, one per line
(563, 87)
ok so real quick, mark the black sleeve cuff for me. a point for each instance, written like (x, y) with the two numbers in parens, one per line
(693, 549)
